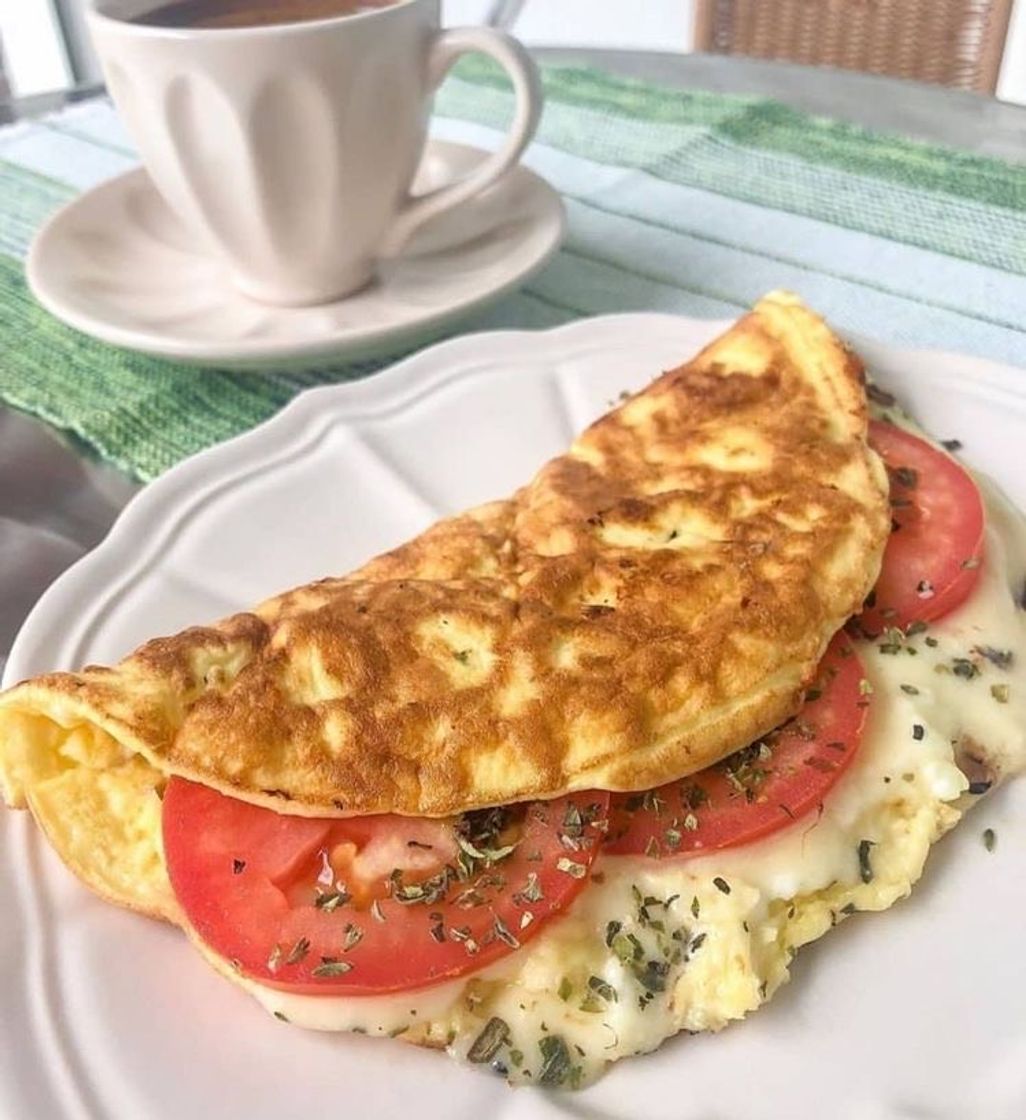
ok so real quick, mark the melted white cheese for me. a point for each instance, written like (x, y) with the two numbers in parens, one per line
(901, 793)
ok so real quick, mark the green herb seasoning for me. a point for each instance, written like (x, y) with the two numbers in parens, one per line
(332, 966)
(531, 891)
(502, 932)
(463, 935)
(490, 1041)
(627, 948)
(743, 772)
(484, 855)
(652, 975)
(865, 867)
(964, 668)
(602, 989)
(721, 885)
(569, 867)
(1001, 658)
(331, 900)
(989, 839)
(557, 1063)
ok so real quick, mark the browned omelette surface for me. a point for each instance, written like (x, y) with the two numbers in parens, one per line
(652, 600)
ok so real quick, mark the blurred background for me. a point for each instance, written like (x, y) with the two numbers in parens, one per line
(969, 44)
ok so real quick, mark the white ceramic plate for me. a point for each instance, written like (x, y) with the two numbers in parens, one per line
(118, 264)
(917, 1012)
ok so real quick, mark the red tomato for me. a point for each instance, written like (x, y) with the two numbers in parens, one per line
(762, 788)
(933, 557)
(372, 904)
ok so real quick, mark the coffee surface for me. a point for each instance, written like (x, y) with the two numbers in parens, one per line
(251, 13)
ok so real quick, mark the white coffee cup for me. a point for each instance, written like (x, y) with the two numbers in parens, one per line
(290, 148)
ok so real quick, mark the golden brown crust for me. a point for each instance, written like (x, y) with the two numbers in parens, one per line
(651, 601)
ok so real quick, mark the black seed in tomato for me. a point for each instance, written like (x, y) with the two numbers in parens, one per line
(298, 951)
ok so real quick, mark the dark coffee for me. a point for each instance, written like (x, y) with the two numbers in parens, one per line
(251, 13)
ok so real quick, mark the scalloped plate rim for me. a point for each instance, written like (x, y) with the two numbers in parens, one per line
(396, 389)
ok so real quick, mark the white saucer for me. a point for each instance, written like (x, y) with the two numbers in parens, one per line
(116, 263)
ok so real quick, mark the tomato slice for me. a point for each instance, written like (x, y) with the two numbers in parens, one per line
(932, 560)
(373, 904)
(760, 789)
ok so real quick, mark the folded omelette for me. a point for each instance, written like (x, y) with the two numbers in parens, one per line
(651, 600)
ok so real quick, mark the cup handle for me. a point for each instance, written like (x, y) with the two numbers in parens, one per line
(514, 59)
